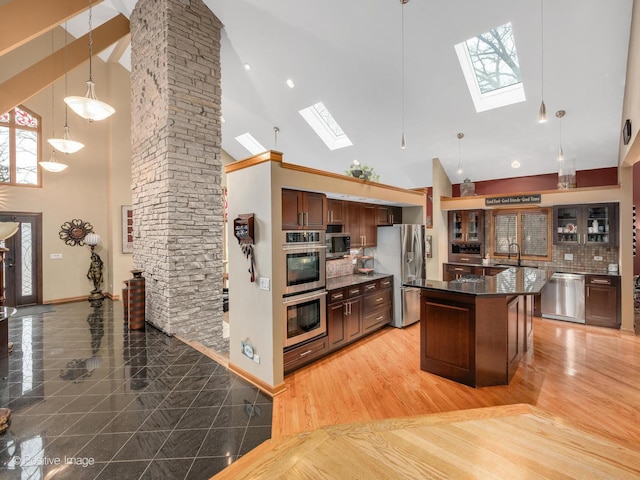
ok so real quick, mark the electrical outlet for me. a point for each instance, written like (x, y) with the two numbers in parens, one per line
(597, 258)
(264, 284)
(55, 256)
(256, 358)
(568, 256)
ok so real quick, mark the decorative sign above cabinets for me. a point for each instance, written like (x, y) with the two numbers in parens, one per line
(513, 200)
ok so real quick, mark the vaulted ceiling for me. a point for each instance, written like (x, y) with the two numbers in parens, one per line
(348, 55)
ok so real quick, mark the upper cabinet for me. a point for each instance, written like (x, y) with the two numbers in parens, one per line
(335, 211)
(388, 215)
(466, 235)
(303, 210)
(591, 224)
(361, 224)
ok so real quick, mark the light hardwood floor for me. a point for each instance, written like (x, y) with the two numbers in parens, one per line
(588, 374)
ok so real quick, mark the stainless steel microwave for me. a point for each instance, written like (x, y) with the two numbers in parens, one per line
(338, 244)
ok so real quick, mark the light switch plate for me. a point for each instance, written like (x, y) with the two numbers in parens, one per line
(597, 258)
(568, 256)
(55, 256)
(264, 283)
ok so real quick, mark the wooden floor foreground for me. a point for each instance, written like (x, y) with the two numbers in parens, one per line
(587, 374)
(510, 441)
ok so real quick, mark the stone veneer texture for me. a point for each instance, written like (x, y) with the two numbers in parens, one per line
(176, 165)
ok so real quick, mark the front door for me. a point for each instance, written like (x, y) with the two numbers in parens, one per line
(23, 261)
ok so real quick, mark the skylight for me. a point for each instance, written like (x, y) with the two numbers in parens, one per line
(490, 65)
(250, 143)
(325, 126)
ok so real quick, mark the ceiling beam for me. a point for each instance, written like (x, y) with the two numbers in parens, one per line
(119, 49)
(39, 76)
(24, 20)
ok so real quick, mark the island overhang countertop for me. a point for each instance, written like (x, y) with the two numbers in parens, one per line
(511, 281)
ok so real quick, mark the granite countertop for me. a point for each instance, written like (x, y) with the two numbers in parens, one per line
(512, 281)
(550, 268)
(342, 281)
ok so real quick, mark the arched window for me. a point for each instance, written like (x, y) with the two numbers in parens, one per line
(20, 137)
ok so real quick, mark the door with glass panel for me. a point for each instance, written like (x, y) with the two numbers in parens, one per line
(23, 262)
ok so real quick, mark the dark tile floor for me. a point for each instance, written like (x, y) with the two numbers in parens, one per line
(92, 399)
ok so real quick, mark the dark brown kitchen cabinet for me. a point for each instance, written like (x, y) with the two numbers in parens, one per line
(466, 235)
(590, 224)
(602, 301)
(453, 272)
(305, 353)
(388, 215)
(303, 210)
(335, 212)
(344, 316)
(361, 224)
(516, 333)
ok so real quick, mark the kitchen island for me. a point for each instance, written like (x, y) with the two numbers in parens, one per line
(475, 329)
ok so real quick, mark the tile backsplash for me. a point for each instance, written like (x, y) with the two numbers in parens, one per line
(338, 267)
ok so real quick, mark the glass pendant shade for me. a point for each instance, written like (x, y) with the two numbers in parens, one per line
(53, 165)
(65, 144)
(89, 106)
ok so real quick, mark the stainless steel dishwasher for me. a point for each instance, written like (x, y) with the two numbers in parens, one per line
(562, 298)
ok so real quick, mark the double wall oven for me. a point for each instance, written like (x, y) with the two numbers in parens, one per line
(304, 298)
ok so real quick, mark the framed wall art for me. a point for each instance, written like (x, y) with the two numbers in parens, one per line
(127, 229)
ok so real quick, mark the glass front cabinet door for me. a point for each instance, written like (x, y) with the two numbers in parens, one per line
(594, 225)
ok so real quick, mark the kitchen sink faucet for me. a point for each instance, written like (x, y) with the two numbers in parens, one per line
(509, 252)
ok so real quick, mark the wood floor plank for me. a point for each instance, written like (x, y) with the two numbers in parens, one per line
(587, 374)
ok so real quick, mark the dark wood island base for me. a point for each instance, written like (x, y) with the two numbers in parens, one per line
(476, 329)
(477, 341)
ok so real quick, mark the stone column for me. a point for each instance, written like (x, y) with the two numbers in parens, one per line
(176, 165)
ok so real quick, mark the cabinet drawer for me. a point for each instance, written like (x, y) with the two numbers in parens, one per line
(385, 283)
(376, 318)
(336, 295)
(353, 291)
(374, 300)
(304, 354)
(603, 280)
(369, 287)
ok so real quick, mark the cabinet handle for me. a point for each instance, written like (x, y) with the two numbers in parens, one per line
(386, 283)
(380, 317)
(307, 214)
(369, 287)
(600, 281)
(458, 269)
(588, 291)
(345, 308)
(379, 299)
(304, 354)
(301, 219)
(464, 259)
(349, 308)
(354, 291)
(337, 295)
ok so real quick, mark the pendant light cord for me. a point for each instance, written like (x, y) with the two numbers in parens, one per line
(90, 42)
(66, 70)
(53, 90)
(402, 61)
(542, 47)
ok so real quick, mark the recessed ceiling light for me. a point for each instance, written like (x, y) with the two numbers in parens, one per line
(515, 164)
(247, 66)
(290, 83)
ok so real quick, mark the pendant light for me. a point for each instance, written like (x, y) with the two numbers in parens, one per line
(542, 113)
(64, 144)
(52, 165)
(89, 106)
(460, 137)
(559, 115)
(403, 140)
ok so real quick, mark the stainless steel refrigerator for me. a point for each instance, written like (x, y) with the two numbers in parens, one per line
(401, 252)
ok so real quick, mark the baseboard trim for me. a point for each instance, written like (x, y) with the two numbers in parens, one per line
(266, 388)
(206, 351)
(67, 300)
